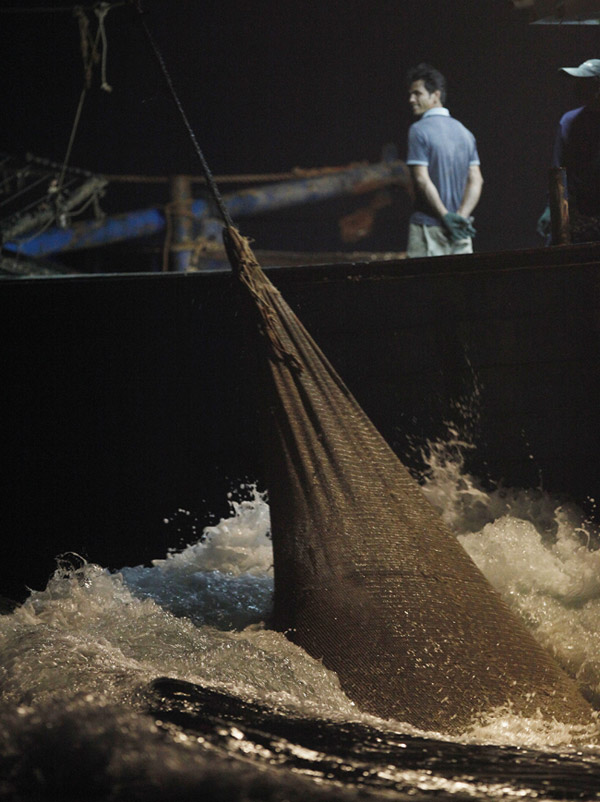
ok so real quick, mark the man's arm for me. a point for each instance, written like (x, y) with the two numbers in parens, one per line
(457, 224)
(428, 189)
(544, 223)
(472, 192)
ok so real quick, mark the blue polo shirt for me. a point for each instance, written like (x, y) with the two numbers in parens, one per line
(448, 149)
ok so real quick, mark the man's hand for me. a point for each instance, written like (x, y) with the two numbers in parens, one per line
(458, 227)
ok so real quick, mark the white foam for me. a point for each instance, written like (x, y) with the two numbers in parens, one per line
(199, 613)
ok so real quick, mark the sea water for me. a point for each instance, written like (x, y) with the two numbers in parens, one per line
(77, 719)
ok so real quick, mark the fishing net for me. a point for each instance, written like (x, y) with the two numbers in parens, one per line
(367, 576)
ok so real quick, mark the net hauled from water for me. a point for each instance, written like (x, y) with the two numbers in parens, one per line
(367, 576)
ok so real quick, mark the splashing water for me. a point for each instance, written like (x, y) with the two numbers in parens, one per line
(77, 656)
(534, 549)
(225, 580)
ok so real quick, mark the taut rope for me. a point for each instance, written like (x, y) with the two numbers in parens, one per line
(214, 190)
(238, 248)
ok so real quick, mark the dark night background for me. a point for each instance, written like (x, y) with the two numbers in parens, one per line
(130, 396)
(268, 86)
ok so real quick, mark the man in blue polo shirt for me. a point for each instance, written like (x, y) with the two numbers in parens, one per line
(442, 155)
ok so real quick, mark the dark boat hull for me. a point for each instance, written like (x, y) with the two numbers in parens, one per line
(131, 398)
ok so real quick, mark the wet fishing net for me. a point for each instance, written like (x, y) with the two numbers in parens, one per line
(367, 576)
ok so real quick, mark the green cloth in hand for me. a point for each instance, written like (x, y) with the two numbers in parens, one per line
(458, 227)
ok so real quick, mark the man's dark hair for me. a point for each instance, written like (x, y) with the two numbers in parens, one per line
(432, 79)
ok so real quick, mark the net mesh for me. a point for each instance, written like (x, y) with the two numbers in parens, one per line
(367, 576)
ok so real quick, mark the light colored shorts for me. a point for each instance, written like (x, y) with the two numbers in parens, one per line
(433, 241)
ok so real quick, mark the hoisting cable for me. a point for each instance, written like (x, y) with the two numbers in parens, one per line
(214, 190)
(240, 254)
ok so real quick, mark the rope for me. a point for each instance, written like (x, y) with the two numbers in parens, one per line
(179, 208)
(23, 189)
(89, 55)
(202, 246)
(84, 43)
(101, 13)
(248, 270)
(72, 137)
(205, 169)
(93, 200)
(52, 165)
